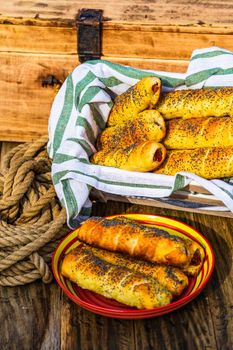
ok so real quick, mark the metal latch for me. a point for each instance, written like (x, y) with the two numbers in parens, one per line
(89, 34)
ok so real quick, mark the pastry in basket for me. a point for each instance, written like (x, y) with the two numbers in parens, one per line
(146, 126)
(114, 282)
(141, 157)
(135, 100)
(199, 132)
(210, 163)
(196, 103)
(148, 243)
(168, 276)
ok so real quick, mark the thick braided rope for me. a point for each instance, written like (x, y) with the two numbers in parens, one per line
(31, 219)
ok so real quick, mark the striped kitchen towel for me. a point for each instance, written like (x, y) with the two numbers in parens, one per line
(80, 111)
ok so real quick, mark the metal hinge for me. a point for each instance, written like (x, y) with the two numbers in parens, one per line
(89, 34)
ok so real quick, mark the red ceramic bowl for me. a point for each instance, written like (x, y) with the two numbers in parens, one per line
(107, 307)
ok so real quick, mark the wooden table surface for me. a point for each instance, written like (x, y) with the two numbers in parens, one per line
(39, 316)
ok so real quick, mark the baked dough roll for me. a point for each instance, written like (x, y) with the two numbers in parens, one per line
(141, 157)
(199, 132)
(151, 244)
(196, 103)
(136, 99)
(146, 126)
(210, 163)
(114, 282)
(168, 276)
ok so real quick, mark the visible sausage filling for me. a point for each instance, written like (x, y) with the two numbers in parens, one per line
(155, 88)
(196, 259)
(158, 156)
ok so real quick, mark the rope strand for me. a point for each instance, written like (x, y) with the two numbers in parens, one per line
(31, 218)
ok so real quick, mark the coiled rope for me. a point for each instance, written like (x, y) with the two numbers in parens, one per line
(32, 220)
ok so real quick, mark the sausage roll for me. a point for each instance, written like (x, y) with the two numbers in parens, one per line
(199, 132)
(114, 282)
(148, 243)
(198, 103)
(168, 276)
(146, 126)
(141, 157)
(135, 100)
(210, 163)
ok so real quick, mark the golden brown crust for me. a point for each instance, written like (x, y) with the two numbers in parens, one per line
(135, 100)
(111, 281)
(126, 236)
(146, 126)
(145, 156)
(168, 276)
(199, 132)
(196, 103)
(210, 163)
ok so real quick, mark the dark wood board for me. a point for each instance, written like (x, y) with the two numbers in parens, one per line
(39, 316)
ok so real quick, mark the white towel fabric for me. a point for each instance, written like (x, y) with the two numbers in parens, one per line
(80, 111)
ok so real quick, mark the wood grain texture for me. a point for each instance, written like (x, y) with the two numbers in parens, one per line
(24, 102)
(220, 301)
(84, 330)
(167, 43)
(29, 317)
(170, 11)
(46, 39)
(144, 40)
(182, 333)
(44, 318)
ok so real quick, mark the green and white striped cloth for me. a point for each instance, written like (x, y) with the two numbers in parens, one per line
(80, 111)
